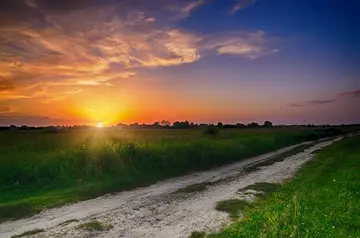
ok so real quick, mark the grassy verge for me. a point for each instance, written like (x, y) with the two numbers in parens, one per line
(197, 234)
(28, 233)
(321, 201)
(193, 188)
(42, 170)
(232, 206)
(68, 222)
(280, 157)
(263, 187)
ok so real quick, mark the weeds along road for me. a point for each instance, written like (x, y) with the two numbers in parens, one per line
(172, 208)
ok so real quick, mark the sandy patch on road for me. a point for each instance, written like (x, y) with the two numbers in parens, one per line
(156, 211)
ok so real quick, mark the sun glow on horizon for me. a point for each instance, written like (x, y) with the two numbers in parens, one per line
(99, 125)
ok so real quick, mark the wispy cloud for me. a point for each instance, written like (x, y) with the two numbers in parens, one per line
(191, 6)
(311, 102)
(355, 93)
(315, 102)
(7, 109)
(241, 4)
(250, 45)
(296, 105)
(6, 97)
(339, 96)
(175, 10)
(5, 86)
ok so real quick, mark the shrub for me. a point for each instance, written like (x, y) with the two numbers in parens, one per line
(211, 130)
(197, 234)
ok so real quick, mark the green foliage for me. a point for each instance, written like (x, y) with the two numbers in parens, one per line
(267, 124)
(197, 234)
(321, 201)
(211, 130)
(68, 222)
(28, 233)
(41, 170)
(232, 206)
(198, 187)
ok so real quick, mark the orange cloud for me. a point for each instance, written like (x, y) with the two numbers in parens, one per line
(7, 109)
(82, 53)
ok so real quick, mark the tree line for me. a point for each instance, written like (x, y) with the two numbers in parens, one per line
(175, 125)
(191, 125)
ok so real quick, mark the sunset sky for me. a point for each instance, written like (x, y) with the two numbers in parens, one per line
(110, 61)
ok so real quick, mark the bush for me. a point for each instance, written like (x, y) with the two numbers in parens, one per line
(197, 234)
(211, 130)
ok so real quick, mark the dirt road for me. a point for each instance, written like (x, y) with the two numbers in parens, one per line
(158, 210)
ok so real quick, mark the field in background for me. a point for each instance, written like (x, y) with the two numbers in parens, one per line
(321, 201)
(45, 169)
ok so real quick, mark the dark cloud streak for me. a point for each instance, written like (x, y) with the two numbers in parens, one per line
(311, 102)
(6, 86)
(353, 94)
(295, 105)
(315, 102)
(13, 12)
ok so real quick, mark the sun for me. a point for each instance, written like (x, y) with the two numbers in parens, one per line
(99, 125)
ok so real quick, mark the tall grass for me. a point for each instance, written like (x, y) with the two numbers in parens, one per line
(322, 200)
(39, 170)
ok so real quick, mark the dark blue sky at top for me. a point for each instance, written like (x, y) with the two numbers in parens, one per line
(317, 27)
(337, 20)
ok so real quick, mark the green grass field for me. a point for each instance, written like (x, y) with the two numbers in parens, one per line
(321, 201)
(45, 169)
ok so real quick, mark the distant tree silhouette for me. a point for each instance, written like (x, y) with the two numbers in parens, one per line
(165, 123)
(253, 125)
(181, 125)
(134, 126)
(176, 125)
(122, 125)
(220, 125)
(267, 124)
(23, 127)
(156, 125)
(240, 125)
(12, 127)
(202, 125)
